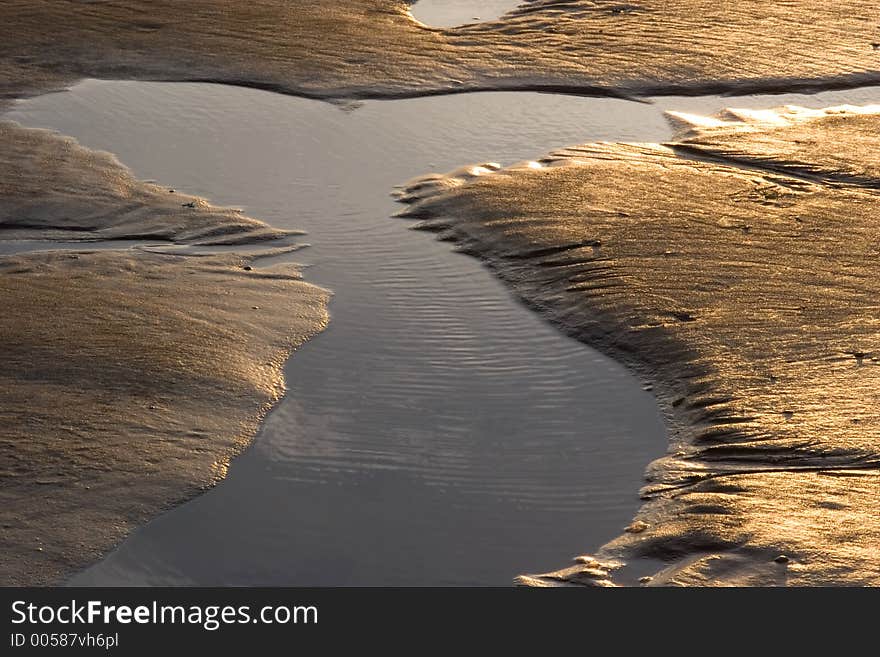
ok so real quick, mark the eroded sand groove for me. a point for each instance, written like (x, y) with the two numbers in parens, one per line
(746, 296)
(130, 378)
(374, 48)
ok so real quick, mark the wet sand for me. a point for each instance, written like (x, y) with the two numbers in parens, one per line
(374, 48)
(51, 188)
(831, 145)
(744, 290)
(130, 378)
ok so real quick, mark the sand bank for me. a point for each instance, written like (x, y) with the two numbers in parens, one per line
(374, 48)
(747, 297)
(52, 188)
(129, 378)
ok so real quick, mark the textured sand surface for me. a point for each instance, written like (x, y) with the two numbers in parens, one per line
(129, 378)
(749, 298)
(375, 48)
(834, 145)
(52, 188)
(732, 290)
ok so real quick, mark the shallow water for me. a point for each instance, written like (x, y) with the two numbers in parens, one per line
(450, 13)
(438, 432)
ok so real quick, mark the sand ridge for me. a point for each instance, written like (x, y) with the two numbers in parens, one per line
(374, 48)
(745, 296)
(130, 377)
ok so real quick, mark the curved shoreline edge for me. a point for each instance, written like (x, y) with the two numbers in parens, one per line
(131, 377)
(742, 286)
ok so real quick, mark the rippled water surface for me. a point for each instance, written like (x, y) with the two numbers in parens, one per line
(438, 432)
